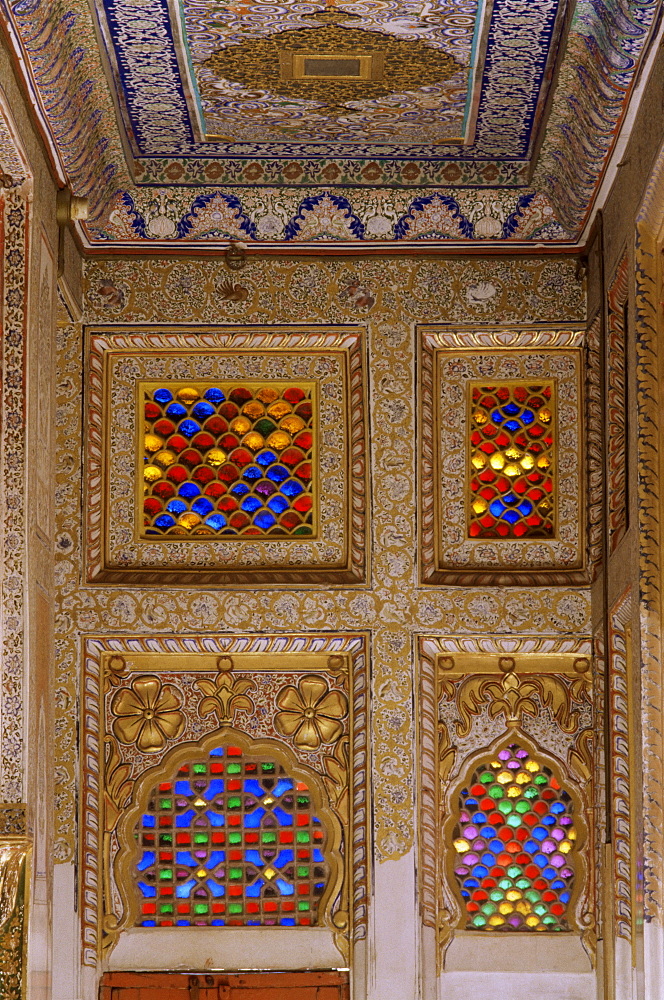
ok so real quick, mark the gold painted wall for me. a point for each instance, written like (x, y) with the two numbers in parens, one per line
(387, 298)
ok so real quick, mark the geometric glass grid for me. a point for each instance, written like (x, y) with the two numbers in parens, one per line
(514, 844)
(231, 841)
(512, 460)
(228, 459)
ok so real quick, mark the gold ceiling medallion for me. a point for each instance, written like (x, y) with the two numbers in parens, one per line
(333, 64)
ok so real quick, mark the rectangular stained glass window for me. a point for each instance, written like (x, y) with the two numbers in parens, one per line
(227, 459)
(512, 471)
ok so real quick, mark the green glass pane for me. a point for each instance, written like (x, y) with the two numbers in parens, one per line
(522, 807)
(166, 874)
(486, 778)
(235, 838)
(505, 883)
(541, 779)
(488, 908)
(268, 837)
(201, 838)
(513, 820)
(549, 919)
(540, 909)
(302, 800)
(496, 792)
(531, 793)
(200, 908)
(166, 838)
(166, 908)
(505, 807)
(303, 873)
(235, 873)
(496, 895)
(234, 768)
(165, 804)
(200, 768)
(302, 906)
(234, 802)
(302, 837)
(532, 895)
(235, 908)
(479, 920)
(514, 871)
(523, 883)
(267, 767)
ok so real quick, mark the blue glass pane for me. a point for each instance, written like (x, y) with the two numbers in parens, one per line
(176, 411)
(162, 396)
(189, 490)
(203, 410)
(214, 395)
(216, 521)
(266, 458)
(202, 506)
(292, 488)
(176, 507)
(251, 504)
(164, 521)
(277, 474)
(278, 504)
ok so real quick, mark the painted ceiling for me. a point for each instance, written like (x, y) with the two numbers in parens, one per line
(196, 122)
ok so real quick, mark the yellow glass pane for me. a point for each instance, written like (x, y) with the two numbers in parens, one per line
(188, 394)
(189, 520)
(267, 395)
(253, 440)
(164, 458)
(151, 473)
(292, 424)
(152, 442)
(278, 410)
(279, 440)
(241, 425)
(215, 456)
(253, 409)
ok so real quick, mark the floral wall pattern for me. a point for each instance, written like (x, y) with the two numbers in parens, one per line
(145, 696)
(389, 299)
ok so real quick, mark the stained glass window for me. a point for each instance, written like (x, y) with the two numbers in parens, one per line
(512, 462)
(225, 459)
(231, 841)
(514, 845)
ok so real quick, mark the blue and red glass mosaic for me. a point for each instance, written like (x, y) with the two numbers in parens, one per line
(512, 460)
(231, 841)
(228, 459)
(514, 844)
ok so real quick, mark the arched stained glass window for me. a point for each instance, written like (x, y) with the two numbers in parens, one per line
(231, 840)
(514, 845)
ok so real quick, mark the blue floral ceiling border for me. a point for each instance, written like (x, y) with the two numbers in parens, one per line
(63, 68)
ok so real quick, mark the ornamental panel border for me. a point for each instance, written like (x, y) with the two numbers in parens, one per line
(449, 361)
(329, 358)
(476, 693)
(216, 686)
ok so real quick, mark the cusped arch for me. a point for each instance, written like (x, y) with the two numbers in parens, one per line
(514, 868)
(243, 835)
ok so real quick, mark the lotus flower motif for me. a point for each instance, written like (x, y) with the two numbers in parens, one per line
(311, 713)
(147, 714)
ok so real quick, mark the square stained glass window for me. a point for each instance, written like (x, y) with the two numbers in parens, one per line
(512, 473)
(227, 459)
